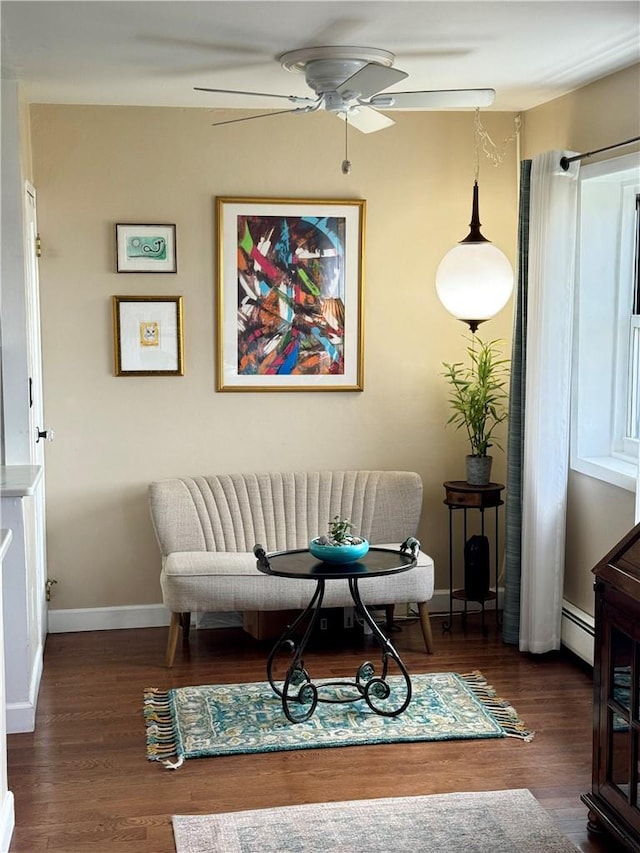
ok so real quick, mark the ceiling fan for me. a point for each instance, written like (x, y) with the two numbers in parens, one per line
(350, 82)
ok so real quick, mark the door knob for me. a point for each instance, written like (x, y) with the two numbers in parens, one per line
(46, 434)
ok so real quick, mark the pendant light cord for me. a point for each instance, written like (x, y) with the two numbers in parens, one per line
(476, 147)
(489, 148)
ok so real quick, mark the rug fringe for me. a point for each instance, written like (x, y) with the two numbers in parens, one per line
(502, 712)
(161, 740)
(174, 765)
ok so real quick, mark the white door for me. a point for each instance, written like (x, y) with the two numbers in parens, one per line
(40, 434)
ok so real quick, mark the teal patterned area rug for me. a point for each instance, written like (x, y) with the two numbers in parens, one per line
(226, 719)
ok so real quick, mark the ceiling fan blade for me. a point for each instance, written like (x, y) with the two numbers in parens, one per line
(295, 99)
(337, 31)
(366, 120)
(370, 80)
(199, 70)
(436, 100)
(211, 47)
(262, 115)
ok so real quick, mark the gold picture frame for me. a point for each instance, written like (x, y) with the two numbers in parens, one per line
(289, 294)
(148, 336)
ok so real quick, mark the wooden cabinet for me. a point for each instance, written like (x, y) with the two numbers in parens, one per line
(614, 801)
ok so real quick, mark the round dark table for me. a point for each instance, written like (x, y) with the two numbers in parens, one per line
(299, 693)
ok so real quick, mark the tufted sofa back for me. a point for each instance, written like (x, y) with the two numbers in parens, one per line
(281, 511)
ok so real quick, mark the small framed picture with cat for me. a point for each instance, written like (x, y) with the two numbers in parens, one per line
(147, 336)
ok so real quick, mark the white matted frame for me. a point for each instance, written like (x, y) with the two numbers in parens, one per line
(145, 248)
(147, 332)
(290, 294)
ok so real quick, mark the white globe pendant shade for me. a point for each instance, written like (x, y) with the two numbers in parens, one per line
(474, 280)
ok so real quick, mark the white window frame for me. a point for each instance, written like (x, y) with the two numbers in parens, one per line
(633, 416)
(602, 331)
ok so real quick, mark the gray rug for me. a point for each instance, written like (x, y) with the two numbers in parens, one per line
(489, 822)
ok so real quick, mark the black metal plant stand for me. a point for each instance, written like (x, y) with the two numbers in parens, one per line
(462, 496)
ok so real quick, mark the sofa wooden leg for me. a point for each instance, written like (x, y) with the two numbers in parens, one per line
(172, 642)
(425, 624)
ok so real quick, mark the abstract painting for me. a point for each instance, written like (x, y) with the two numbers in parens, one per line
(289, 294)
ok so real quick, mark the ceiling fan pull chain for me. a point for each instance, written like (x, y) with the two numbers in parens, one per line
(346, 163)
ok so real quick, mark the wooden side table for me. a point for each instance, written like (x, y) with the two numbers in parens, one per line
(462, 496)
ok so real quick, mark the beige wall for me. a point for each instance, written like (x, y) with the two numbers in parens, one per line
(599, 515)
(94, 166)
(608, 111)
(605, 112)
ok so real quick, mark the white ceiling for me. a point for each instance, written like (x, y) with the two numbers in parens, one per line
(154, 53)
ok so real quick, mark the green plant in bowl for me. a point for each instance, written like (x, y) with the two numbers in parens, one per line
(339, 545)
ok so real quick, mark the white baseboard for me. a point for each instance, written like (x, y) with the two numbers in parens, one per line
(577, 631)
(157, 616)
(108, 618)
(21, 716)
(131, 616)
(7, 822)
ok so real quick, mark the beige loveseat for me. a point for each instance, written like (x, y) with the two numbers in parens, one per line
(207, 527)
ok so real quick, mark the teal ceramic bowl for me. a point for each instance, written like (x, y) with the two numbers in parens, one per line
(338, 553)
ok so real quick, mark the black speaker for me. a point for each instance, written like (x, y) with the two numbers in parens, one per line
(476, 568)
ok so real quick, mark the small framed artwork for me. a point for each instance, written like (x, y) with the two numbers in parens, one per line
(289, 294)
(147, 332)
(146, 248)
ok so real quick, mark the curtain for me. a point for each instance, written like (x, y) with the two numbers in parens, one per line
(515, 436)
(552, 245)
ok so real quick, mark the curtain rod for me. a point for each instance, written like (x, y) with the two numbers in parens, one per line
(565, 161)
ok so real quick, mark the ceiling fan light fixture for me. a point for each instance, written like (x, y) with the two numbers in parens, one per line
(334, 102)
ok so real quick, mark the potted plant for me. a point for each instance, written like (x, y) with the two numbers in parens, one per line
(479, 401)
(339, 545)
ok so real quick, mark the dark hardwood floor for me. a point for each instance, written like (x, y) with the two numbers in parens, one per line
(81, 781)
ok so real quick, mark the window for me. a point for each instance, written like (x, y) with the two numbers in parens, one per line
(632, 428)
(605, 394)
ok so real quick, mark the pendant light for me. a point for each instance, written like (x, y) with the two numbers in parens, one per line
(474, 280)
